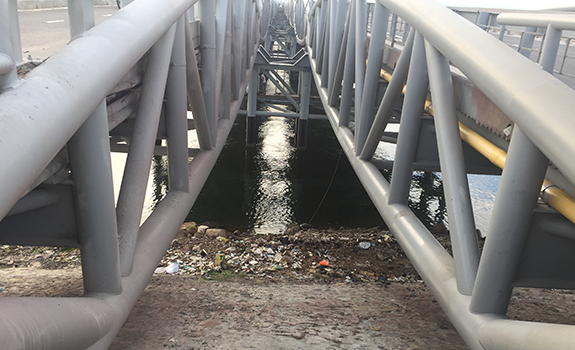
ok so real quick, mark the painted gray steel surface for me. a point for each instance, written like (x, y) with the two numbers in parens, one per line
(67, 109)
(530, 96)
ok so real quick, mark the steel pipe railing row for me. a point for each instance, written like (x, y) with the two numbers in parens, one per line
(475, 293)
(60, 106)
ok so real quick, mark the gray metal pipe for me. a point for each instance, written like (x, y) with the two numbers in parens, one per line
(348, 72)
(517, 196)
(415, 94)
(89, 152)
(53, 323)
(90, 162)
(374, 59)
(195, 94)
(523, 91)
(137, 170)
(282, 81)
(334, 89)
(177, 113)
(15, 31)
(333, 44)
(6, 47)
(305, 94)
(283, 91)
(76, 17)
(221, 21)
(360, 45)
(550, 48)
(326, 57)
(239, 19)
(561, 21)
(58, 87)
(157, 232)
(458, 201)
(209, 63)
(226, 93)
(392, 94)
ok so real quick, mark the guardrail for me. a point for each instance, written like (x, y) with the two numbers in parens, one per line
(55, 146)
(474, 292)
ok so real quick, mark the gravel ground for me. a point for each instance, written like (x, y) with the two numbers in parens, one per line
(271, 291)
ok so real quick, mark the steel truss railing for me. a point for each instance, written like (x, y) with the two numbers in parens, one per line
(474, 292)
(58, 115)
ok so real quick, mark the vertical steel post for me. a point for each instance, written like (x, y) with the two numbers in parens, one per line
(415, 94)
(406, 31)
(550, 48)
(89, 152)
(502, 30)
(320, 54)
(227, 95)
(221, 21)
(89, 18)
(360, 48)
(392, 94)
(7, 56)
(567, 44)
(251, 121)
(208, 72)
(136, 173)
(177, 113)
(333, 51)
(393, 29)
(239, 19)
(519, 188)
(374, 60)
(15, 31)
(76, 17)
(348, 71)
(334, 87)
(302, 124)
(196, 95)
(527, 40)
(458, 201)
(325, 58)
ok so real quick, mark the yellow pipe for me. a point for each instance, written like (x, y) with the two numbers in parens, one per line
(551, 194)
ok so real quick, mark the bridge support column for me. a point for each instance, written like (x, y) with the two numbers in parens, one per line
(251, 121)
(302, 122)
(415, 94)
(519, 189)
(8, 56)
(89, 151)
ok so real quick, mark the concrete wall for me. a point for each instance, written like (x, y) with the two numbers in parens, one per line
(39, 4)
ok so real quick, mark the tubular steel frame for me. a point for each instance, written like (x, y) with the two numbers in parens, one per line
(61, 106)
(475, 294)
(63, 137)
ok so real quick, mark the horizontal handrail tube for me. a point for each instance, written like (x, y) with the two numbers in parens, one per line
(557, 20)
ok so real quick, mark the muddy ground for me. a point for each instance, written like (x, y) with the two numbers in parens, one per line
(272, 292)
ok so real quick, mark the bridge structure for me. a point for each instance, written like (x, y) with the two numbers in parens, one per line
(139, 81)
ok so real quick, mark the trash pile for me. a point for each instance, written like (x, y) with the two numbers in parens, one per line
(301, 252)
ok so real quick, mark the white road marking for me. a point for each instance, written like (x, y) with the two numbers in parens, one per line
(54, 21)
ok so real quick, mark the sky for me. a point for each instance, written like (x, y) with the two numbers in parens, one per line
(509, 4)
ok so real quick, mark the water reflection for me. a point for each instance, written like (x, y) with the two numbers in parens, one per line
(273, 207)
(271, 186)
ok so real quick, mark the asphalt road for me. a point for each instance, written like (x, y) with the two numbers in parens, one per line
(45, 32)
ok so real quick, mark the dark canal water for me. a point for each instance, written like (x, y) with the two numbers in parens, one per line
(266, 188)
